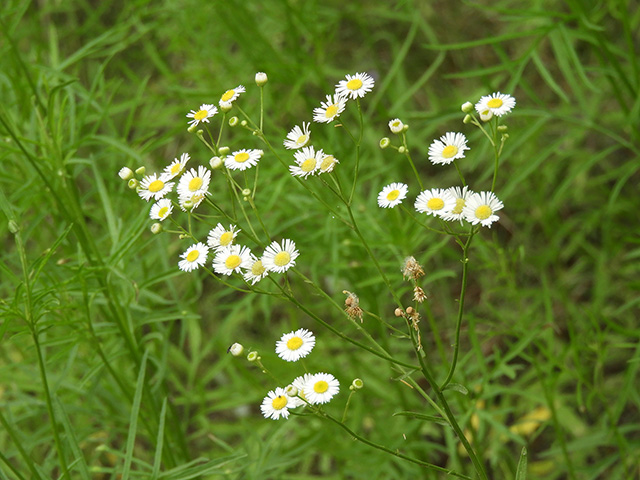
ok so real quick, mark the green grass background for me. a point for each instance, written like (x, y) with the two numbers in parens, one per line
(134, 351)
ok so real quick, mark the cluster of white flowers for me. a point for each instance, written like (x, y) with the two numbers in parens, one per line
(317, 388)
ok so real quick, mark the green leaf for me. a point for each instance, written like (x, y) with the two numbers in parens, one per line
(133, 421)
(521, 472)
(457, 387)
(422, 416)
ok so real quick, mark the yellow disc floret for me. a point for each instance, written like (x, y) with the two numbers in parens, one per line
(294, 343)
(282, 259)
(435, 204)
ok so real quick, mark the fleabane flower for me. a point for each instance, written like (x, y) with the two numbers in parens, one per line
(276, 404)
(219, 236)
(450, 147)
(205, 112)
(355, 86)
(230, 259)
(161, 210)
(329, 110)
(481, 207)
(298, 137)
(327, 164)
(255, 271)
(231, 95)
(308, 162)
(396, 125)
(243, 159)
(194, 182)
(280, 257)
(299, 383)
(177, 166)
(154, 186)
(436, 202)
(295, 345)
(392, 195)
(321, 388)
(462, 196)
(194, 257)
(497, 103)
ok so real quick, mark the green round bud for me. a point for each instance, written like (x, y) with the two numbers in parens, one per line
(233, 121)
(224, 151)
(133, 183)
(13, 227)
(253, 356)
(141, 171)
(244, 123)
(467, 119)
(216, 163)
(467, 107)
(502, 128)
(225, 106)
(246, 192)
(156, 228)
(385, 142)
(402, 149)
(192, 128)
(357, 383)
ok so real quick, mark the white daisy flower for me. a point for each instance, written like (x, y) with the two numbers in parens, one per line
(203, 115)
(392, 195)
(243, 159)
(436, 202)
(308, 162)
(161, 210)
(177, 166)
(194, 182)
(232, 258)
(396, 125)
(255, 272)
(328, 163)
(154, 186)
(497, 103)
(222, 237)
(299, 383)
(355, 86)
(280, 257)
(231, 95)
(295, 345)
(462, 196)
(450, 147)
(276, 404)
(321, 388)
(481, 207)
(298, 137)
(330, 109)
(194, 257)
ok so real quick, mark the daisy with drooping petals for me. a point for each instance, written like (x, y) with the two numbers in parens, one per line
(280, 257)
(308, 162)
(194, 257)
(295, 345)
(231, 259)
(161, 210)
(243, 159)
(392, 195)
(194, 182)
(481, 207)
(255, 271)
(298, 137)
(231, 95)
(203, 115)
(436, 202)
(355, 86)
(497, 103)
(276, 404)
(328, 163)
(154, 186)
(396, 125)
(329, 110)
(321, 388)
(461, 196)
(450, 147)
(177, 166)
(221, 237)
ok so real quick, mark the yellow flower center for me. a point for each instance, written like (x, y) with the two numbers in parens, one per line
(302, 140)
(279, 402)
(483, 212)
(308, 165)
(257, 268)
(457, 210)
(332, 111)
(226, 238)
(200, 115)
(354, 84)
(281, 259)
(294, 343)
(241, 157)
(163, 212)
(228, 95)
(327, 162)
(193, 255)
(156, 186)
(449, 151)
(195, 184)
(232, 261)
(320, 387)
(435, 204)
(175, 169)
(494, 103)
(392, 195)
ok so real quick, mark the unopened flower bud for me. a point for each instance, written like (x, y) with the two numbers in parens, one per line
(233, 121)
(405, 128)
(402, 149)
(188, 205)
(396, 125)
(486, 115)
(236, 350)
(385, 142)
(156, 228)
(216, 162)
(502, 128)
(225, 106)
(133, 183)
(141, 171)
(192, 128)
(291, 391)
(467, 119)
(13, 227)
(224, 150)
(246, 192)
(125, 173)
(261, 79)
(243, 123)
(467, 107)
(505, 135)
(253, 356)
(357, 384)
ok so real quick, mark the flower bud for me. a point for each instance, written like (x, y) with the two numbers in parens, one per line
(224, 151)
(133, 183)
(233, 121)
(402, 149)
(192, 128)
(467, 119)
(225, 106)
(291, 391)
(187, 205)
(216, 162)
(236, 350)
(486, 115)
(357, 384)
(253, 356)
(243, 123)
(502, 128)
(385, 142)
(141, 171)
(125, 173)
(13, 227)
(156, 228)
(246, 192)
(396, 125)
(467, 107)
(261, 79)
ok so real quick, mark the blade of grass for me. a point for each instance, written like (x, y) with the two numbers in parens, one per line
(133, 420)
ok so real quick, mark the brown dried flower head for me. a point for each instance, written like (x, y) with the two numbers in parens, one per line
(412, 269)
(352, 305)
